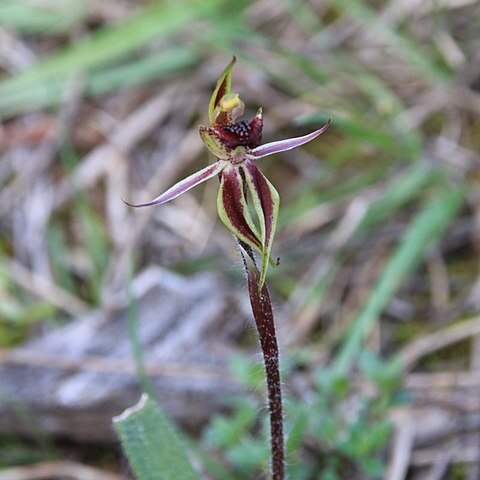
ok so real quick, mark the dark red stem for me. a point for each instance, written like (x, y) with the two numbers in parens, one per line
(263, 314)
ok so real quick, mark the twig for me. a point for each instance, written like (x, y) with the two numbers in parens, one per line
(107, 365)
(473, 471)
(417, 349)
(428, 456)
(44, 288)
(440, 466)
(443, 380)
(64, 470)
(440, 291)
(131, 131)
(402, 447)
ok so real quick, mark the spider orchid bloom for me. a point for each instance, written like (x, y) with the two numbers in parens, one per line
(236, 146)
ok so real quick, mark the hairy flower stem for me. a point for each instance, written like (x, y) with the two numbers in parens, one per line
(263, 314)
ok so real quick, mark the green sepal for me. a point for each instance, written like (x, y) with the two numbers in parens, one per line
(266, 202)
(246, 211)
(223, 87)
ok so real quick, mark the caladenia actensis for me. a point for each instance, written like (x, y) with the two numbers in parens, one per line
(236, 146)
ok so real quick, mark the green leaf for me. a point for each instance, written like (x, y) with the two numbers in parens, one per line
(153, 448)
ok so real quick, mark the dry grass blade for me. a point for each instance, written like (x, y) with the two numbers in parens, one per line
(44, 288)
(105, 365)
(58, 470)
(401, 447)
(433, 342)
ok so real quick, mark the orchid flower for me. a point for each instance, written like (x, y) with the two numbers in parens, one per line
(237, 146)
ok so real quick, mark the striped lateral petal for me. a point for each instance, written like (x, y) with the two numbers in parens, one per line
(223, 87)
(266, 202)
(213, 142)
(185, 184)
(233, 210)
(284, 145)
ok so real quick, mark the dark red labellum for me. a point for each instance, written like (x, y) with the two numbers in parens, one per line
(244, 133)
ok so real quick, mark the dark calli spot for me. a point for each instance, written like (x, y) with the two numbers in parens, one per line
(244, 133)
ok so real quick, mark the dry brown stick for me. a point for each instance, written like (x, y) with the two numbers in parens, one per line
(131, 131)
(297, 306)
(15, 54)
(14, 134)
(440, 465)
(473, 300)
(57, 470)
(37, 163)
(417, 349)
(398, 10)
(439, 287)
(109, 10)
(402, 446)
(108, 365)
(442, 380)
(42, 157)
(427, 456)
(187, 151)
(44, 288)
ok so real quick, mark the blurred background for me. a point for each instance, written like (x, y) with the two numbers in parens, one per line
(377, 294)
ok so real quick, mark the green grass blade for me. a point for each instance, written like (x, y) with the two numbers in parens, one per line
(154, 450)
(376, 135)
(134, 336)
(426, 228)
(413, 53)
(28, 18)
(149, 68)
(106, 46)
(408, 186)
(133, 73)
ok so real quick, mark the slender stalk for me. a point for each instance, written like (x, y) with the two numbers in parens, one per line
(263, 314)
